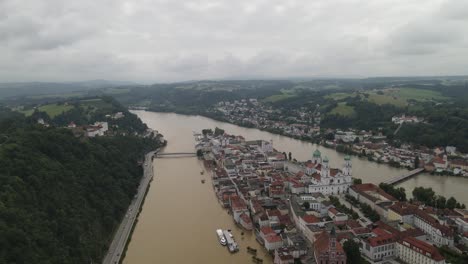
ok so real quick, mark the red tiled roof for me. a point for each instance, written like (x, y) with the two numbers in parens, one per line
(266, 231)
(403, 208)
(361, 230)
(316, 176)
(438, 160)
(237, 203)
(322, 242)
(369, 187)
(353, 224)
(446, 231)
(273, 239)
(382, 238)
(333, 210)
(423, 246)
(245, 218)
(334, 172)
(310, 219)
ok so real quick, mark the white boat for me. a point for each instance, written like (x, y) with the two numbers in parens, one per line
(232, 245)
(222, 239)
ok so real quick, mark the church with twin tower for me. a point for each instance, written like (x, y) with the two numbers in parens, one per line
(326, 180)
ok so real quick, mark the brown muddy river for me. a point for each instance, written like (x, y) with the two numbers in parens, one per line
(180, 214)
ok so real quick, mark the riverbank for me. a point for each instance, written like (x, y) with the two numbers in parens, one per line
(118, 246)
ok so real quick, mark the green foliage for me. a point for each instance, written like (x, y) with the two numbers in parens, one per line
(206, 132)
(357, 181)
(369, 212)
(398, 193)
(306, 205)
(342, 208)
(218, 131)
(428, 197)
(353, 255)
(199, 153)
(452, 256)
(62, 197)
(343, 109)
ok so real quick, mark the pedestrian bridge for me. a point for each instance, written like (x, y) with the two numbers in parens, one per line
(404, 177)
(175, 154)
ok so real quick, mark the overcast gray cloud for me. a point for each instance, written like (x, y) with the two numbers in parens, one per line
(174, 40)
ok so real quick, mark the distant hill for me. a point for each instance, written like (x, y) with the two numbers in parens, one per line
(51, 88)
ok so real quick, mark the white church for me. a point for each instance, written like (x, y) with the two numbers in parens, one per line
(326, 180)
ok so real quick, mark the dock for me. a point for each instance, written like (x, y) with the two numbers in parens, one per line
(404, 177)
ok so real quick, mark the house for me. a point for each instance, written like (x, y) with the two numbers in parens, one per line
(439, 234)
(380, 246)
(245, 221)
(283, 256)
(402, 212)
(336, 216)
(459, 163)
(327, 250)
(412, 215)
(239, 207)
(271, 240)
(413, 251)
(373, 196)
(98, 129)
(440, 163)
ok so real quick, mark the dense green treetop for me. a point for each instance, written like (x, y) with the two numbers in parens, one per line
(61, 197)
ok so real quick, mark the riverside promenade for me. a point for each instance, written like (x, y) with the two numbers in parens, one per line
(117, 247)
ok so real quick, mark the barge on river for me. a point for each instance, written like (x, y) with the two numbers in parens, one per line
(232, 245)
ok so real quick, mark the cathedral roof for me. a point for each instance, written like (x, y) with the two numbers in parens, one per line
(317, 153)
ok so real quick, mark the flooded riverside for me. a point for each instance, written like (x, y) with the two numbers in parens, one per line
(180, 214)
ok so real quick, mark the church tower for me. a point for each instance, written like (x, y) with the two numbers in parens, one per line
(325, 168)
(332, 246)
(317, 157)
(347, 170)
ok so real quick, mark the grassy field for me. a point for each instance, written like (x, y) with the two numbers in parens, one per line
(339, 96)
(420, 94)
(381, 99)
(400, 97)
(343, 109)
(94, 104)
(51, 109)
(285, 94)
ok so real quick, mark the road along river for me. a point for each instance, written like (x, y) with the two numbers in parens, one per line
(180, 214)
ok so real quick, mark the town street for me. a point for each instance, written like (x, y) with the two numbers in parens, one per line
(121, 237)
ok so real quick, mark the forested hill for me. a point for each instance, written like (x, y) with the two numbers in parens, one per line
(62, 196)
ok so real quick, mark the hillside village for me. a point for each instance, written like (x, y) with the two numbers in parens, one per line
(308, 211)
(305, 125)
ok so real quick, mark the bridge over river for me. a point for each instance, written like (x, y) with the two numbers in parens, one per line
(175, 154)
(404, 176)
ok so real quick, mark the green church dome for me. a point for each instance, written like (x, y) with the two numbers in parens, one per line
(317, 153)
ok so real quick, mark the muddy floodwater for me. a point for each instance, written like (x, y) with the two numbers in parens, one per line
(180, 214)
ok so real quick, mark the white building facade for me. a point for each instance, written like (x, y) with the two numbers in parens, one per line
(328, 181)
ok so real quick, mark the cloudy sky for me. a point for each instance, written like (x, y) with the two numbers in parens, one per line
(175, 40)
